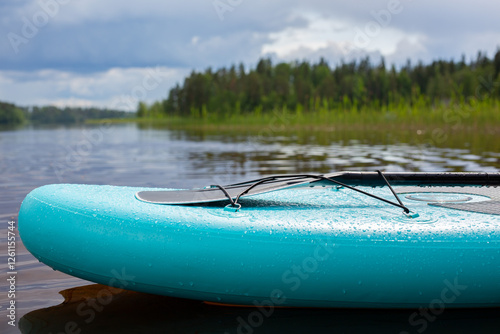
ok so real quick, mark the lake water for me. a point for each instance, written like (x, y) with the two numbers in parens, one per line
(142, 155)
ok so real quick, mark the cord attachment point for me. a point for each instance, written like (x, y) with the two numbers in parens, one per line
(233, 207)
(411, 214)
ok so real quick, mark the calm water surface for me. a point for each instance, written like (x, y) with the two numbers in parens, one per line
(145, 156)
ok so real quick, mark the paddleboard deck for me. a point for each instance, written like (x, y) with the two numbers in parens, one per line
(216, 193)
(305, 246)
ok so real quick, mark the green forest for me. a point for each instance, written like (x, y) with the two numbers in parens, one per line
(11, 114)
(359, 86)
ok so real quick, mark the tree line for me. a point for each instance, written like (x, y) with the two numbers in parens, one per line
(67, 115)
(11, 114)
(302, 86)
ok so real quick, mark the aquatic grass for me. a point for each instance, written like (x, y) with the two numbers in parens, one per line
(474, 114)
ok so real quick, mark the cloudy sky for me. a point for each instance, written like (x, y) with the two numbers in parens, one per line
(113, 53)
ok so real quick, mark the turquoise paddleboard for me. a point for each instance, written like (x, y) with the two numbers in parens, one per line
(338, 240)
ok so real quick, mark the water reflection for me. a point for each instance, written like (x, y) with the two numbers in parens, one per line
(95, 309)
(320, 150)
(472, 140)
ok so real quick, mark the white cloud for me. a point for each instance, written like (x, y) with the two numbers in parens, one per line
(318, 33)
(336, 39)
